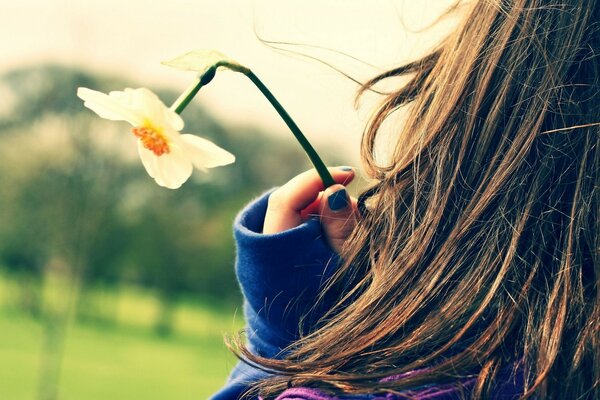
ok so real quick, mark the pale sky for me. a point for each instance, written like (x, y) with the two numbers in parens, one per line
(130, 38)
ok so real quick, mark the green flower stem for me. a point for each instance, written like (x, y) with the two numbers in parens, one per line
(182, 102)
(187, 96)
(310, 151)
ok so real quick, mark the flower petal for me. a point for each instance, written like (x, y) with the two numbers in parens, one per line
(169, 170)
(108, 107)
(150, 107)
(148, 159)
(173, 168)
(198, 60)
(204, 153)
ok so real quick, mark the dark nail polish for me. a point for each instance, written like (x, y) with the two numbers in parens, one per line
(338, 200)
(346, 169)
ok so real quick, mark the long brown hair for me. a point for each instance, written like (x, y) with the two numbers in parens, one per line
(478, 248)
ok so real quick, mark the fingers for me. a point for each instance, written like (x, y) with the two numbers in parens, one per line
(338, 216)
(289, 204)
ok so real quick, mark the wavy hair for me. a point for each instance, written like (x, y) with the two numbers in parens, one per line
(477, 250)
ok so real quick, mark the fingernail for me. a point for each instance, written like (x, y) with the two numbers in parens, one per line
(338, 200)
(347, 169)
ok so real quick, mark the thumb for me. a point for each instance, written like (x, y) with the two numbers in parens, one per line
(338, 215)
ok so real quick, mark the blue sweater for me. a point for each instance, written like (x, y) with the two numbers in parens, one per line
(280, 276)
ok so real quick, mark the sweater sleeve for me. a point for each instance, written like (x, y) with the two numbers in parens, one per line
(280, 276)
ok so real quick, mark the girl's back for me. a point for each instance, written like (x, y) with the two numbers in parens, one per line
(476, 255)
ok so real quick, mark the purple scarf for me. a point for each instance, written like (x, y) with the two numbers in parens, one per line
(431, 393)
(510, 386)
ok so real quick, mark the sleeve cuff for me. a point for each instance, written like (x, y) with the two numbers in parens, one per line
(280, 275)
(248, 228)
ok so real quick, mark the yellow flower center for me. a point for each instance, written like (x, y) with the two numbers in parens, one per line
(152, 139)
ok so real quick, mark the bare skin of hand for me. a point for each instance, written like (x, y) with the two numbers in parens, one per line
(304, 196)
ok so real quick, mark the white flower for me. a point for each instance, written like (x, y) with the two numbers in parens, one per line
(167, 155)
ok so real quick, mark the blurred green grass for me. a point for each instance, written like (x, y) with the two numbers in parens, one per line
(121, 360)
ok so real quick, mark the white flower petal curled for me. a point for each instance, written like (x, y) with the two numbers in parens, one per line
(167, 156)
(148, 106)
(108, 107)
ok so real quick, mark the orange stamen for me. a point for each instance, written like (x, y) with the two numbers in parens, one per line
(152, 139)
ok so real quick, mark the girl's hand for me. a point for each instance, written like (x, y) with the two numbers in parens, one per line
(305, 196)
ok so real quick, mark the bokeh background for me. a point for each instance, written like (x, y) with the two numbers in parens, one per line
(110, 286)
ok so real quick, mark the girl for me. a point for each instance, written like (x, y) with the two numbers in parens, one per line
(470, 268)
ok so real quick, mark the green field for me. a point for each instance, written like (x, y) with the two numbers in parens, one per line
(124, 360)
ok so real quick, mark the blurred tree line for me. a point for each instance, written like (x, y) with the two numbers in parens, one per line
(75, 199)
